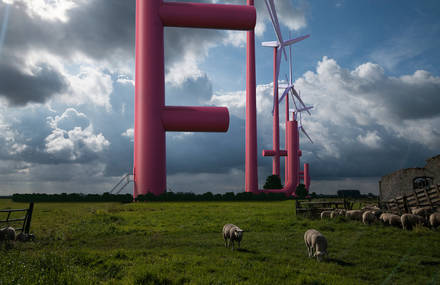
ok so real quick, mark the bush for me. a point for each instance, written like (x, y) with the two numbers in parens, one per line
(273, 182)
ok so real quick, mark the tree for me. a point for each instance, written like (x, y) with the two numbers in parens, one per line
(273, 182)
(301, 191)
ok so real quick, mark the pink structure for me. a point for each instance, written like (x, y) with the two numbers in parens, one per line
(275, 152)
(152, 117)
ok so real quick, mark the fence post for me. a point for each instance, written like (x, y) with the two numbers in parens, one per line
(27, 225)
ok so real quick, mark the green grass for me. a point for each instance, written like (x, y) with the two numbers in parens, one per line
(181, 243)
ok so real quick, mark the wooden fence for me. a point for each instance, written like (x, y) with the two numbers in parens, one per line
(426, 197)
(314, 209)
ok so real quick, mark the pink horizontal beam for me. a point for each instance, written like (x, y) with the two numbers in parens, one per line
(270, 152)
(211, 16)
(195, 119)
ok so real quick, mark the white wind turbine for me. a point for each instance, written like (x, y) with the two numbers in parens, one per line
(279, 44)
(300, 126)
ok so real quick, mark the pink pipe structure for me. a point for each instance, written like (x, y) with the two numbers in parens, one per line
(251, 163)
(152, 117)
(275, 152)
(292, 160)
(286, 164)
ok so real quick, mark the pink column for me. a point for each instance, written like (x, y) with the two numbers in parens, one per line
(292, 158)
(286, 165)
(251, 169)
(276, 121)
(149, 144)
(306, 176)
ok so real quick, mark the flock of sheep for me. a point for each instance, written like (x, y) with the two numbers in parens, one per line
(317, 243)
(372, 214)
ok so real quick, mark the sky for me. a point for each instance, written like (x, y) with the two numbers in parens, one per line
(370, 69)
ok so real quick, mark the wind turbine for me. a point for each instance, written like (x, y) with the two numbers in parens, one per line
(278, 46)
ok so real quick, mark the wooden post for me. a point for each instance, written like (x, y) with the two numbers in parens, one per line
(417, 198)
(27, 225)
(405, 204)
(427, 196)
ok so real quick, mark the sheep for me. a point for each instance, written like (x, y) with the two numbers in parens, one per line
(424, 212)
(8, 235)
(391, 219)
(368, 217)
(316, 244)
(434, 220)
(337, 212)
(232, 233)
(410, 220)
(325, 214)
(354, 214)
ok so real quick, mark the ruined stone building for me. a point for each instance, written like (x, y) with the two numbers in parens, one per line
(404, 181)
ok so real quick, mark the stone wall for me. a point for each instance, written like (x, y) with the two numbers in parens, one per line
(400, 182)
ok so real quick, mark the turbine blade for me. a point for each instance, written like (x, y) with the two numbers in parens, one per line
(276, 22)
(293, 41)
(290, 64)
(270, 44)
(299, 99)
(274, 25)
(304, 131)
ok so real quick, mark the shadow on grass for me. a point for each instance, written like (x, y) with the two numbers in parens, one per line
(340, 262)
(246, 250)
(433, 263)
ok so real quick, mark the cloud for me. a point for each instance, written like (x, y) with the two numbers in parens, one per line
(36, 84)
(73, 143)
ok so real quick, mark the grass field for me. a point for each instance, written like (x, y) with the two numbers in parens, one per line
(181, 243)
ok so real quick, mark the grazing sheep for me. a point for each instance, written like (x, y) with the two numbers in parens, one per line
(394, 220)
(8, 236)
(337, 212)
(316, 244)
(391, 219)
(434, 220)
(410, 220)
(354, 215)
(424, 212)
(368, 217)
(232, 233)
(326, 214)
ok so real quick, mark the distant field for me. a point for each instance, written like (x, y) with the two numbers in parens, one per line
(181, 242)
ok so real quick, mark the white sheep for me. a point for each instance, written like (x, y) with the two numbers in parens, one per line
(410, 220)
(391, 219)
(232, 233)
(8, 235)
(316, 244)
(326, 214)
(434, 220)
(354, 215)
(368, 217)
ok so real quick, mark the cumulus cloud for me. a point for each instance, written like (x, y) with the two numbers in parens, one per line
(74, 142)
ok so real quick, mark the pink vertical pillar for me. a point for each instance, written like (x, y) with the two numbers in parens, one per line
(149, 143)
(251, 164)
(276, 121)
(286, 164)
(306, 176)
(292, 158)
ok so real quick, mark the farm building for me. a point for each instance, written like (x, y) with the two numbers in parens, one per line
(405, 181)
